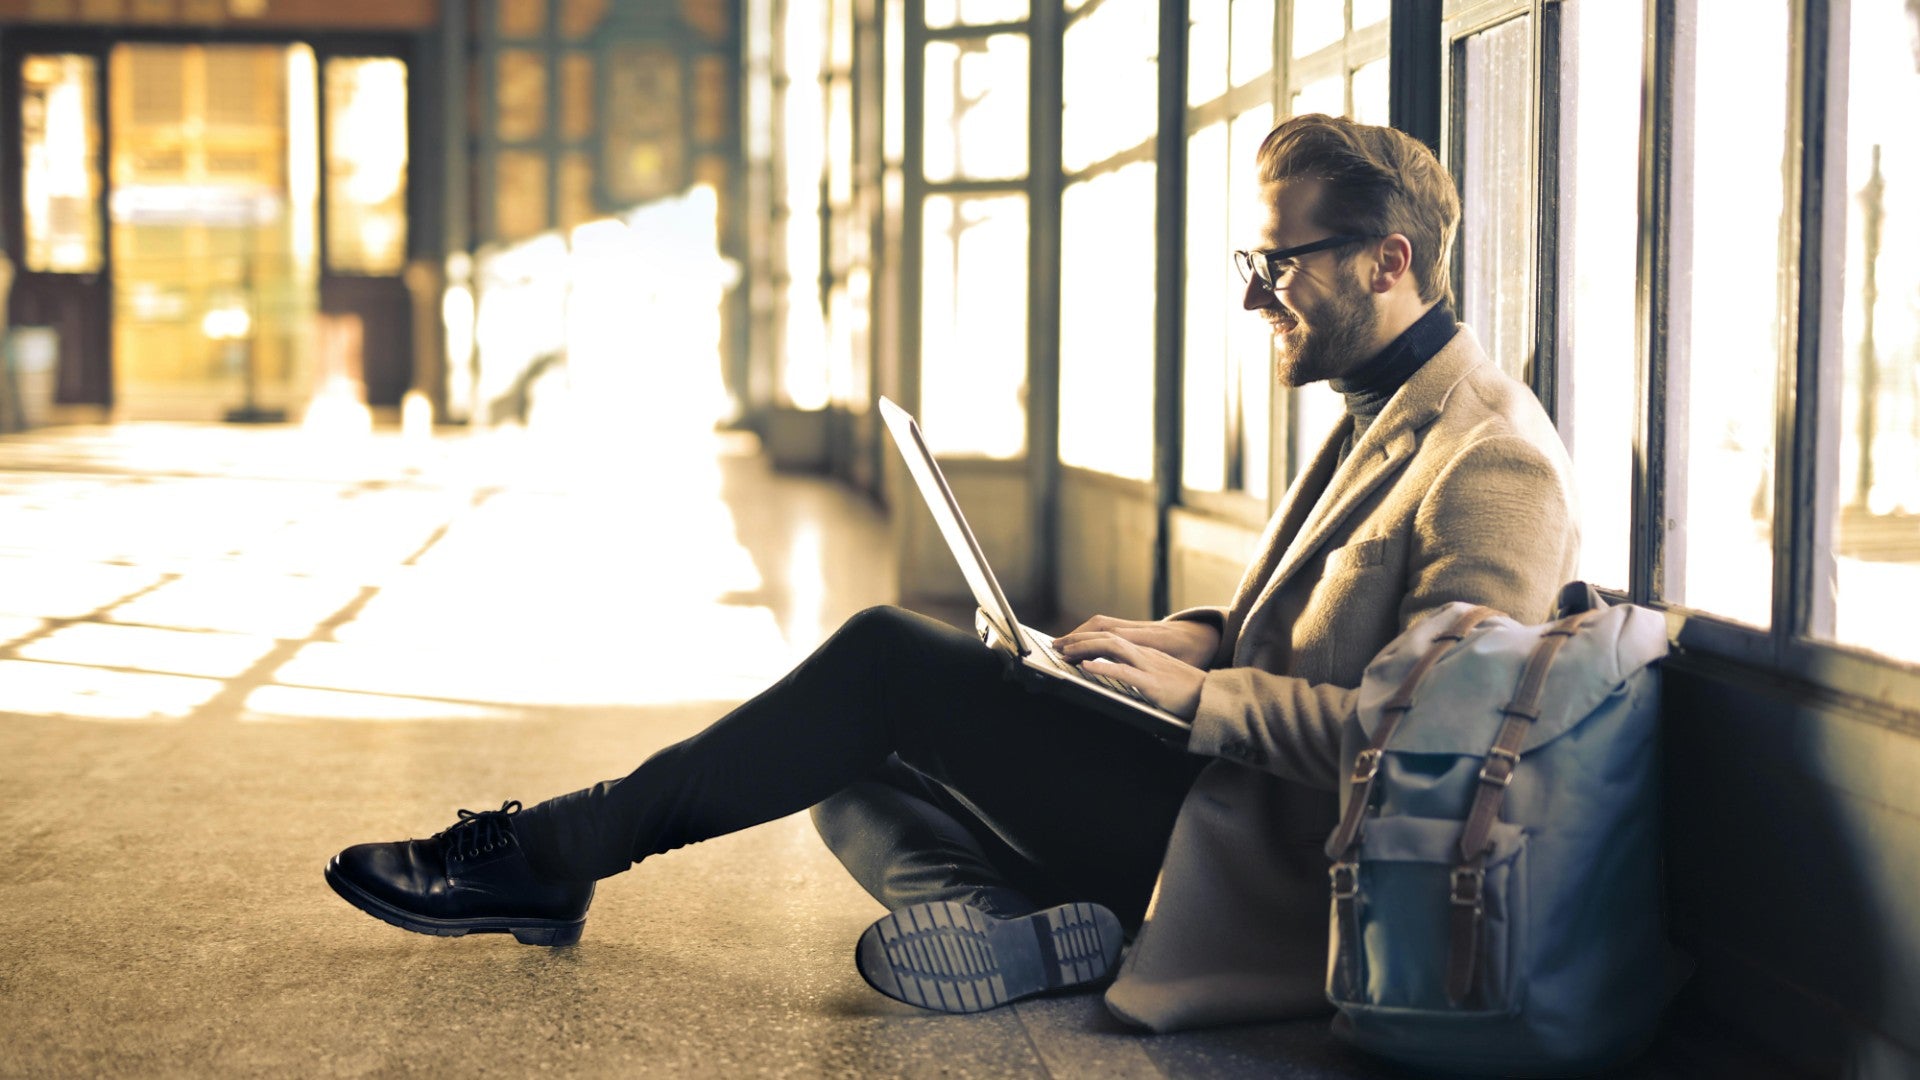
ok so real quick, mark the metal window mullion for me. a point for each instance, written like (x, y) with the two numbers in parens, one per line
(1169, 253)
(488, 174)
(1658, 325)
(1547, 27)
(550, 140)
(1806, 439)
(1045, 182)
(979, 30)
(913, 163)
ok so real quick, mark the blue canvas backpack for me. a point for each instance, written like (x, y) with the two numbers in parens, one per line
(1496, 869)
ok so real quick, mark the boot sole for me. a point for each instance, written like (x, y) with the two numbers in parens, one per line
(951, 958)
(552, 932)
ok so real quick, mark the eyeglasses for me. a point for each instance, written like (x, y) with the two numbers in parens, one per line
(1271, 267)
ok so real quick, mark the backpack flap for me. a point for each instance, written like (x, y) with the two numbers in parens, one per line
(1476, 680)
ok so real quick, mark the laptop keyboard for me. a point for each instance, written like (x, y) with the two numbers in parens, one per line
(1107, 681)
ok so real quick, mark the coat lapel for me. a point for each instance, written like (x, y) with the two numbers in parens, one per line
(1380, 455)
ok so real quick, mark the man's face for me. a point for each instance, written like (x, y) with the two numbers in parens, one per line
(1324, 319)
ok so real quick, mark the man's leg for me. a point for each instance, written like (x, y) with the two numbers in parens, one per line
(1064, 787)
(1072, 790)
(907, 840)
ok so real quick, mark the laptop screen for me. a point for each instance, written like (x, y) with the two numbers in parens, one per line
(946, 514)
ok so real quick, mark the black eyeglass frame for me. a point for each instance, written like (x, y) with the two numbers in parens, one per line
(1259, 264)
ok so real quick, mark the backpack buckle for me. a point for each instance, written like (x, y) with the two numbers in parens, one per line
(1366, 765)
(1499, 766)
(1468, 886)
(1346, 880)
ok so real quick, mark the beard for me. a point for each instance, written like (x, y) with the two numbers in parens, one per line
(1340, 339)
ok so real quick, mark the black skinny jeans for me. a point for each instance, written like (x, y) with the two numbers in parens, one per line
(931, 774)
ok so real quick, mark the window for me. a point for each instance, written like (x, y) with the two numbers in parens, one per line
(977, 108)
(945, 13)
(1107, 243)
(974, 219)
(1728, 257)
(1493, 160)
(60, 170)
(1227, 361)
(1595, 270)
(1339, 67)
(973, 334)
(366, 153)
(1876, 531)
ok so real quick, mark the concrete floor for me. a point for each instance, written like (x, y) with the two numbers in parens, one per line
(227, 653)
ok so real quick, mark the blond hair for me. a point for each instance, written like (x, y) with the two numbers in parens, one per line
(1375, 181)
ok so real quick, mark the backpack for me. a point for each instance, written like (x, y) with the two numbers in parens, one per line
(1496, 869)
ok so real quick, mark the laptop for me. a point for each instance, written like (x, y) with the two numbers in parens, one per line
(995, 621)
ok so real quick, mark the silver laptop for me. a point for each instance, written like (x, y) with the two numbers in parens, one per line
(995, 620)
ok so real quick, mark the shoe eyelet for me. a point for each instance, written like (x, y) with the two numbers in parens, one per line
(472, 853)
(489, 847)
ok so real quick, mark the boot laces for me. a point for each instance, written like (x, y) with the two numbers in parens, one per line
(477, 833)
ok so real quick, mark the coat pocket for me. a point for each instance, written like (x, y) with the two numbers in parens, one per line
(1357, 556)
(1389, 946)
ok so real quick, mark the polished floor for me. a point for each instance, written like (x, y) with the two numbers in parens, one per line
(226, 653)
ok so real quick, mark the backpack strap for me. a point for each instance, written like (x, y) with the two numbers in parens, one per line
(1469, 875)
(1345, 872)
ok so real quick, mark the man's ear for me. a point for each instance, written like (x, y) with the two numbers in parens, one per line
(1393, 261)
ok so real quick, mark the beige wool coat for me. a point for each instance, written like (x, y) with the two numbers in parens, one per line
(1460, 490)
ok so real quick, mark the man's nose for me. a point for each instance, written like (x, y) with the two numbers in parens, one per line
(1257, 296)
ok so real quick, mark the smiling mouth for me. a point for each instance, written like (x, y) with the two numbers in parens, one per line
(1282, 320)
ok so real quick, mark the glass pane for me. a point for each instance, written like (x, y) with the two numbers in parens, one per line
(973, 325)
(1106, 325)
(1252, 40)
(60, 166)
(576, 189)
(1732, 345)
(578, 18)
(522, 18)
(1599, 236)
(366, 165)
(893, 64)
(1877, 531)
(1111, 81)
(1326, 96)
(1370, 93)
(1368, 12)
(520, 194)
(1211, 287)
(713, 115)
(1317, 24)
(941, 13)
(1206, 50)
(977, 108)
(1496, 228)
(576, 96)
(522, 93)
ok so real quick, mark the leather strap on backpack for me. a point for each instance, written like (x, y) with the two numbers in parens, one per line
(1467, 895)
(1345, 872)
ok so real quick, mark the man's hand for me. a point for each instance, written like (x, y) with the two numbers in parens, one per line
(1133, 652)
(1190, 642)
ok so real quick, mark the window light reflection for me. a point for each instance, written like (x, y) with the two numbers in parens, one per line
(30, 688)
(145, 648)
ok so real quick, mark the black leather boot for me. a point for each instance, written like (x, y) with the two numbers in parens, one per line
(470, 879)
(946, 956)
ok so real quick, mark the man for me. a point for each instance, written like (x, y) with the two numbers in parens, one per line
(1016, 837)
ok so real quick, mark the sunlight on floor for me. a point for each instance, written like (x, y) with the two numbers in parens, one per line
(333, 570)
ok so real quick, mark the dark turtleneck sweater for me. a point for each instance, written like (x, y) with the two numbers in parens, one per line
(1369, 388)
